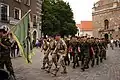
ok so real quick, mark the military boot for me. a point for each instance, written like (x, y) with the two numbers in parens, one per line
(92, 65)
(64, 71)
(43, 67)
(97, 61)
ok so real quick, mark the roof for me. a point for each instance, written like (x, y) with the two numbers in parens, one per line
(86, 26)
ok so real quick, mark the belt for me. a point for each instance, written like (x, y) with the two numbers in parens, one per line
(52, 48)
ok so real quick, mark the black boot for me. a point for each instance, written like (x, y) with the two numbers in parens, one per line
(101, 60)
(82, 69)
(97, 62)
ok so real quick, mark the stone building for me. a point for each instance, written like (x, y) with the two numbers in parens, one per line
(106, 19)
(11, 11)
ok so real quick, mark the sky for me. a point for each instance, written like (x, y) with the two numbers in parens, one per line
(82, 9)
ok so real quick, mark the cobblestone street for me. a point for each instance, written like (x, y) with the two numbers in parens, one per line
(108, 70)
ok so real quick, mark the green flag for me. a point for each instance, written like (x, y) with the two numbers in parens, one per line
(22, 36)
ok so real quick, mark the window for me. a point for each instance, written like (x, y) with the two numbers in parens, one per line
(27, 2)
(17, 13)
(4, 10)
(34, 20)
(106, 23)
(18, 0)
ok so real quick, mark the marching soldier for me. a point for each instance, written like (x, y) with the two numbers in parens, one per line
(102, 49)
(74, 46)
(67, 57)
(105, 47)
(85, 56)
(5, 46)
(96, 50)
(45, 47)
(92, 50)
(53, 56)
(61, 50)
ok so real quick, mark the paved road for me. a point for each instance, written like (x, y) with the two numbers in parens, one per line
(109, 70)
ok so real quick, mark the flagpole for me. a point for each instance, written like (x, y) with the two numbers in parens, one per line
(28, 40)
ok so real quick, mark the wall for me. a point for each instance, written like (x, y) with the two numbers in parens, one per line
(89, 33)
(112, 15)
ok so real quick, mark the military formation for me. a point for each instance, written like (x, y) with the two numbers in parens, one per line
(59, 53)
(82, 52)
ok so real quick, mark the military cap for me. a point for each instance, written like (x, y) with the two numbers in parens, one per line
(57, 35)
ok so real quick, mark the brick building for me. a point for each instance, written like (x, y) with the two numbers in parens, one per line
(11, 11)
(106, 19)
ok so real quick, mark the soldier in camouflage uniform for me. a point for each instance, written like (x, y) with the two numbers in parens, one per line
(67, 61)
(92, 50)
(104, 43)
(53, 56)
(85, 54)
(74, 45)
(61, 50)
(102, 49)
(5, 46)
(96, 50)
(45, 47)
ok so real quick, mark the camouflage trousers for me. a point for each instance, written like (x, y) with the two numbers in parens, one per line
(97, 53)
(61, 63)
(58, 60)
(45, 60)
(5, 60)
(85, 61)
(102, 55)
(52, 59)
(75, 60)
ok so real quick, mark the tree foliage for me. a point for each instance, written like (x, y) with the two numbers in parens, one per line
(57, 18)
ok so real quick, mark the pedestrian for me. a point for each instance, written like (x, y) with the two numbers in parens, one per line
(111, 43)
(17, 50)
(13, 47)
(37, 43)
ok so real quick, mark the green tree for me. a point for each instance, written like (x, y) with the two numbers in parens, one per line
(57, 18)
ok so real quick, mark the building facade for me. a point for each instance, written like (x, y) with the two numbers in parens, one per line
(85, 28)
(11, 11)
(106, 19)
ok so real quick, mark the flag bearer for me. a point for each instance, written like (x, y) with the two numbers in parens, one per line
(5, 46)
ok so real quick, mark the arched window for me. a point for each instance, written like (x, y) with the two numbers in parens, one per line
(106, 23)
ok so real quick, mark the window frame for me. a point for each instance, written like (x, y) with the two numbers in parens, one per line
(18, 0)
(20, 12)
(7, 10)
